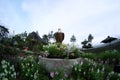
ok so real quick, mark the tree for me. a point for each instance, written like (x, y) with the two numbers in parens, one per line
(90, 38)
(3, 32)
(45, 38)
(87, 43)
(84, 43)
(51, 37)
(73, 39)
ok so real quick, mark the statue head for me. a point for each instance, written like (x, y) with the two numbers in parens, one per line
(59, 29)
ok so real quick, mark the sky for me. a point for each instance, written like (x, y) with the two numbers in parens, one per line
(75, 17)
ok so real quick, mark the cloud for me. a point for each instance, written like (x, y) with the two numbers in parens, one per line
(78, 17)
(11, 16)
(73, 16)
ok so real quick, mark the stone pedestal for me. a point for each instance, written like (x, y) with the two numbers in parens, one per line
(62, 64)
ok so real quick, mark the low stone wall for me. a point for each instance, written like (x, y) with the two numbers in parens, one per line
(52, 64)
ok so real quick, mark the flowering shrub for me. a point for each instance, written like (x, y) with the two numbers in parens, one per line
(107, 57)
(93, 71)
(31, 69)
(58, 74)
(55, 49)
(7, 71)
(113, 76)
(61, 50)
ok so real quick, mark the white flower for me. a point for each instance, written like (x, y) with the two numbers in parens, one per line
(2, 75)
(32, 65)
(26, 74)
(31, 75)
(3, 62)
(14, 74)
(98, 70)
(28, 70)
(79, 70)
(92, 69)
(4, 66)
(12, 68)
(112, 72)
(4, 78)
(75, 62)
(35, 75)
(84, 73)
(28, 64)
(81, 63)
(5, 71)
(75, 69)
(119, 74)
(103, 69)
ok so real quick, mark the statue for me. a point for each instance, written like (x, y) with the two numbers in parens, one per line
(59, 36)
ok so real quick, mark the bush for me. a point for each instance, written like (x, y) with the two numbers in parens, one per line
(7, 71)
(58, 50)
(31, 69)
(55, 50)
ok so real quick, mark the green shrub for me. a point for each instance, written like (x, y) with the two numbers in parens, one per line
(58, 74)
(7, 71)
(31, 69)
(88, 71)
(55, 50)
(62, 50)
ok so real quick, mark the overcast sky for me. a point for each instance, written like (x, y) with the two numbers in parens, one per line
(79, 17)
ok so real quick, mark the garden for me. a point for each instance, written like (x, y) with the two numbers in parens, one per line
(29, 57)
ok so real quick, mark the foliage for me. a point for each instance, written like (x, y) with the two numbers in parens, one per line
(50, 36)
(61, 50)
(73, 39)
(113, 76)
(108, 57)
(8, 50)
(45, 38)
(93, 71)
(18, 41)
(31, 69)
(3, 32)
(90, 38)
(111, 54)
(73, 51)
(27, 52)
(7, 71)
(37, 48)
(87, 43)
(89, 56)
(34, 42)
(1, 49)
(55, 49)
(58, 74)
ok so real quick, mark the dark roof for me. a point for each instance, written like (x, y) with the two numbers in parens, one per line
(108, 39)
(34, 35)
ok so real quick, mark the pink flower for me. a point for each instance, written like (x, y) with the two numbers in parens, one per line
(66, 75)
(56, 65)
(52, 74)
(62, 62)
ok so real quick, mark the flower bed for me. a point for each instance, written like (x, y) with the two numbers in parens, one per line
(58, 50)
(34, 68)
